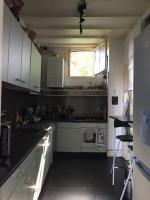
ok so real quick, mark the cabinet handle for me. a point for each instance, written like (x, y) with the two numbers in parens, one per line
(27, 180)
(23, 81)
(35, 86)
(18, 79)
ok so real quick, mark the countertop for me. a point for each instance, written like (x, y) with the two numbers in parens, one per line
(23, 141)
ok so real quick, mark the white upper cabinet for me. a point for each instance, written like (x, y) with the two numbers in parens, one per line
(21, 67)
(15, 52)
(5, 51)
(55, 72)
(26, 58)
(35, 73)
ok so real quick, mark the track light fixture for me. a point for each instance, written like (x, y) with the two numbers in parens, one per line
(81, 9)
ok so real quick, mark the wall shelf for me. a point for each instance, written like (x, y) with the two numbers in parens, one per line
(75, 92)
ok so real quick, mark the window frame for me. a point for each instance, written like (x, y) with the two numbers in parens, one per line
(103, 44)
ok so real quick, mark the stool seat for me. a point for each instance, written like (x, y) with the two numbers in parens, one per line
(125, 138)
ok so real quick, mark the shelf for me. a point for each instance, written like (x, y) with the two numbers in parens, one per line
(70, 92)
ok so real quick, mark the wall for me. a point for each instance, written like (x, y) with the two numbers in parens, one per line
(115, 85)
(70, 81)
(1, 25)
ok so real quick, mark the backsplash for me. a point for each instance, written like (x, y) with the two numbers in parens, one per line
(13, 101)
(58, 107)
(83, 106)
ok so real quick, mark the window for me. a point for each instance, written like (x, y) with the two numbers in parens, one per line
(87, 63)
(100, 60)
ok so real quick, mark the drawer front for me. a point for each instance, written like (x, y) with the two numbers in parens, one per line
(9, 186)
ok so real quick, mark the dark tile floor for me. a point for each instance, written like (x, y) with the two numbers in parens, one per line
(81, 178)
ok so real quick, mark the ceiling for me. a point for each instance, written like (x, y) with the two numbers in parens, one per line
(56, 22)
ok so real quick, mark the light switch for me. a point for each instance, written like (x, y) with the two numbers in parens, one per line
(114, 100)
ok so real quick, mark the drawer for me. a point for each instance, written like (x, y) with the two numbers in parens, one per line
(9, 186)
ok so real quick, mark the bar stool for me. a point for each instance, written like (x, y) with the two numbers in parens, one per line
(130, 173)
(127, 138)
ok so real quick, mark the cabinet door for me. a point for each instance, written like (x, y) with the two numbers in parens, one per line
(35, 74)
(26, 55)
(47, 155)
(15, 52)
(5, 49)
(26, 189)
(20, 192)
(68, 140)
(55, 72)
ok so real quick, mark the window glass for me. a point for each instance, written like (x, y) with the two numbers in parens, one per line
(81, 63)
(87, 63)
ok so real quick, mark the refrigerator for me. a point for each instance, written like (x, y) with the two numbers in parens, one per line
(141, 125)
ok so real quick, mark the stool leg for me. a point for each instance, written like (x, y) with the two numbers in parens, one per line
(114, 149)
(125, 186)
(114, 162)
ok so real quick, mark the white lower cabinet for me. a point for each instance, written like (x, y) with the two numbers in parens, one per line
(27, 188)
(10, 185)
(26, 182)
(68, 138)
(47, 156)
(81, 137)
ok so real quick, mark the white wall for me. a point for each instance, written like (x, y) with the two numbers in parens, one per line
(1, 25)
(115, 85)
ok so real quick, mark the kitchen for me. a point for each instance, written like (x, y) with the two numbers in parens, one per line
(80, 108)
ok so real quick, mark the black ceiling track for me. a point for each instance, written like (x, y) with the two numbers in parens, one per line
(82, 9)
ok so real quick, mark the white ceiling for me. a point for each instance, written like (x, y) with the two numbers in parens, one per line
(56, 22)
